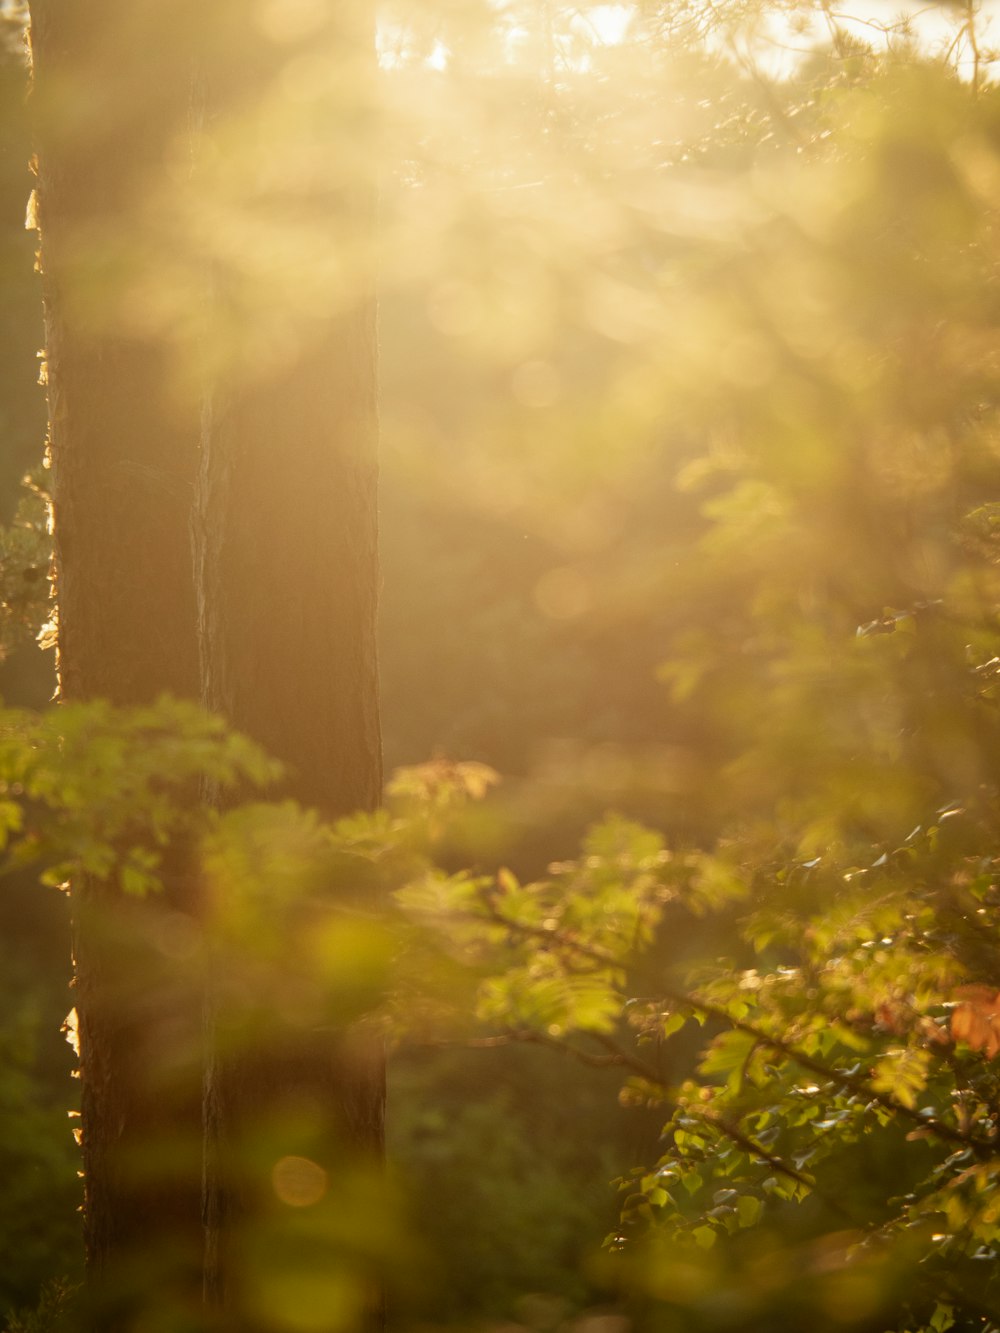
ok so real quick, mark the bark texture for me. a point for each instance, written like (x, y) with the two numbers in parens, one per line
(124, 456)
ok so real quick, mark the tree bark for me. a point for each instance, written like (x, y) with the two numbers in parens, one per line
(123, 453)
(286, 546)
(215, 538)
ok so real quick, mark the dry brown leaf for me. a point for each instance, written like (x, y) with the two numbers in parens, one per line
(976, 1019)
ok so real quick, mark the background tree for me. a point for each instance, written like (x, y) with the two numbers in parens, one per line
(285, 529)
(257, 429)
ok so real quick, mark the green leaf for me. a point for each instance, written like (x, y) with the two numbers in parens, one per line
(901, 1073)
(942, 1319)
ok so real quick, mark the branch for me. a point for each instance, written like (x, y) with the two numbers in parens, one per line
(849, 1082)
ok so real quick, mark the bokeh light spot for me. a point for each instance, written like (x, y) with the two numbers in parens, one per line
(298, 1181)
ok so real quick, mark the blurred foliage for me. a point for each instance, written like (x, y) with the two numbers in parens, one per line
(38, 1160)
(25, 549)
(503, 1166)
(807, 307)
(52, 1314)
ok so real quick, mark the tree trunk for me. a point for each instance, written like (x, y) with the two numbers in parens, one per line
(124, 454)
(286, 542)
(216, 538)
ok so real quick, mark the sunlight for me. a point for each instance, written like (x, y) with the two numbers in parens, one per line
(607, 24)
(438, 58)
(778, 45)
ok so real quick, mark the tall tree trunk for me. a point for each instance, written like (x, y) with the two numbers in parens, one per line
(216, 537)
(108, 103)
(286, 542)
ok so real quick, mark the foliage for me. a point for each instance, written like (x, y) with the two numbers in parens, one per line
(503, 1154)
(25, 548)
(834, 1097)
(38, 1158)
(53, 1313)
(89, 790)
(832, 610)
